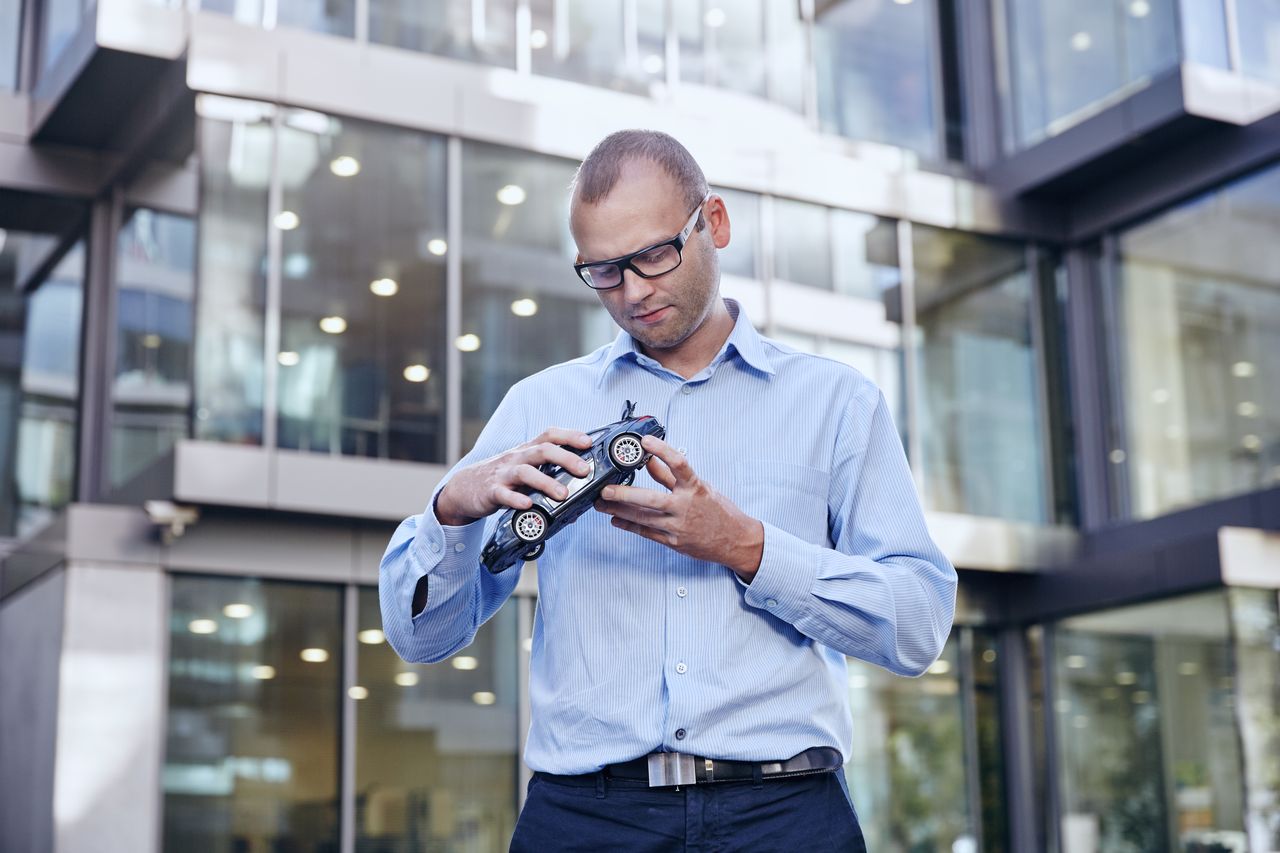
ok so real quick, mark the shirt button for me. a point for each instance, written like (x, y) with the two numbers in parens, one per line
(680, 733)
(435, 546)
(681, 668)
(460, 547)
(772, 602)
(682, 452)
(681, 591)
(686, 389)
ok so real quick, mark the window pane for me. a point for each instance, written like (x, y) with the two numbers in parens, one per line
(448, 28)
(866, 254)
(788, 56)
(876, 69)
(802, 243)
(1199, 343)
(734, 42)
(585, 40)
(907, 771)
(235, 161)
(39, 382)
(523, 307)
(1255, 625)
(244, 11)
(337, 17)
(458, 724)
(1149, 755)
(1259, 25)
(251, 756)
(1066, 60)
(59, 22)
(152, 391)
(10, 35)
(362, 346)
(739, 257)
(979, 419)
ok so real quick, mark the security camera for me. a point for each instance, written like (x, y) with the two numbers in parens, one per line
(170, 518)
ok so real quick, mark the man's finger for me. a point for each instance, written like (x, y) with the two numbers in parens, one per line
(650, 517)
(559, 435)
(637, 496)
(675, 460)
(640, 530)
(659, 471)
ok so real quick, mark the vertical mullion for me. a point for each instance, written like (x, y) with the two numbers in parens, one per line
(362, 21)
(524, 711)
(1231, 13)
(969, 723)
(910, 361)
(1037, 318)
(1053, 807)
(272, 320)
(1113, 374)
(347, 776)
(672, 45)
(97, 362)
(631, 36)
(810, 85)
(524, 45)
(453, 301)
(769, 322)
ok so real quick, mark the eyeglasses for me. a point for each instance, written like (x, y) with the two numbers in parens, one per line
(649, 262)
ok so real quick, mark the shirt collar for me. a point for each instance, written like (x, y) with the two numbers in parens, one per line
(744, 340)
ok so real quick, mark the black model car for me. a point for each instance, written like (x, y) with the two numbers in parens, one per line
(614, 457)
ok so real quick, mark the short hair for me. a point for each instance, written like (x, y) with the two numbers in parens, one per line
(599, 173)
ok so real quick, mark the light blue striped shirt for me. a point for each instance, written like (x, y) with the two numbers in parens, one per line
(637, 648)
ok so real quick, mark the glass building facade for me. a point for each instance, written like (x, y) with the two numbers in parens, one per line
(303, 281)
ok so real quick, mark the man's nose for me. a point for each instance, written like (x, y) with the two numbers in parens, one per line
(636, 288)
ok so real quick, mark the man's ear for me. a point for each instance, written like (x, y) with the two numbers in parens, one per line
(717, 218)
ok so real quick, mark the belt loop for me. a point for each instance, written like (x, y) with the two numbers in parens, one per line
(600, 784)
(757, 775)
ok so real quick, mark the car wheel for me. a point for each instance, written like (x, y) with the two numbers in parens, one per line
(625, 451)
(530, 525)
(628, 480)
(535, 552)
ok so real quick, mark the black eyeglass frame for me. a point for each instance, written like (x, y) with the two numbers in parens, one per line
(625, 262)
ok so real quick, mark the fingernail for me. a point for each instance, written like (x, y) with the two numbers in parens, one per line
(607, 493)
(562, 492)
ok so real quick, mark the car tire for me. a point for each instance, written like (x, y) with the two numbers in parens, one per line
(530, 525)
(535, 552)
(626, 452)
(628, 480)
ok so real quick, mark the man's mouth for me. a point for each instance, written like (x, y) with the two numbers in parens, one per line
(652, 316)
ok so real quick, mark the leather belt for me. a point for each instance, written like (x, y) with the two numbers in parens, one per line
(665, 769)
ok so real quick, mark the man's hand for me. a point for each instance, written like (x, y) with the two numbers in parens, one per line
(482, 488)
(692, 518)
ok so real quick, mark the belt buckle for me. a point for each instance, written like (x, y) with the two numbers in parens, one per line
(671, 768)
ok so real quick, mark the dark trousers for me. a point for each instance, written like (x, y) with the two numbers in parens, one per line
(595, 813)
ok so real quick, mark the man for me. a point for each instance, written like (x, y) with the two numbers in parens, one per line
(688, 679)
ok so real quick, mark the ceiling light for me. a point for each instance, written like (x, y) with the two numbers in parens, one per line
(371, 636)
(652, 64)
(1251, 442)
(465, 662)
(384, 286)
(357, 692)
(287, 220)
(1160, 396)
(484, 697)
(1247, 409)
(1243, 369)
(151, 341)
(287, 358)
(437, 246)
(345, 166)
(1126, 677)
(1139, 8)
(538, 39)
(524, 307)
(333, 325)
(238, 611)
(262, 673)
(468, 342)
(202, 626)
(989, 656)
(903, 2)
(1081, 42)
(1063, 706)
(406, 679)
(715, 18)
(417, 373)
(511, 195)
(314, 655)
(940, 667)
(1075, 661)
(1117, 456)
(1188, 667)
(296, 265)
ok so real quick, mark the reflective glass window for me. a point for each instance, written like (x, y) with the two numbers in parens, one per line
(462, 29)
(980, 423)
(436, 745)
(802, 243)
(235, 139)
(155, 272)
(10, 36)
(252, 747)
(1148, 745)
(591, 42)
(877, 66)
(362, 341)
(1199, 346)
(523, 307)
(1259, 27)
(740, 257)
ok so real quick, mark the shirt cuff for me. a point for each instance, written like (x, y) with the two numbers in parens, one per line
(448, 544)
(788, 569)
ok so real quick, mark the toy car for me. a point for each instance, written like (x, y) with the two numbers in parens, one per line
(614, 457)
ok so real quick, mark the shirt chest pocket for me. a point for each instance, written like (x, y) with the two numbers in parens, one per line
(789, 496)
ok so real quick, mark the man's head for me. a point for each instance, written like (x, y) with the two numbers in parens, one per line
(638, 188)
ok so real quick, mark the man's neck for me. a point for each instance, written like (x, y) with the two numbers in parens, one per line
(693, 355)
